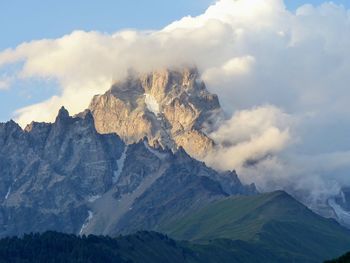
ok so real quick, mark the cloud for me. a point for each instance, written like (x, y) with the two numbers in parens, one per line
(79, 59)
(310, 178)
(249, 136)
(252, 53)
(230, 70)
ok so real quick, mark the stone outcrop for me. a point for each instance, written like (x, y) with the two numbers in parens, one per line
(172, 108)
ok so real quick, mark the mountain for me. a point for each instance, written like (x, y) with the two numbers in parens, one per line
(129, 163)
(51, 171)
(67, 177)
(172, 108)
(265, 228)
(273, 222)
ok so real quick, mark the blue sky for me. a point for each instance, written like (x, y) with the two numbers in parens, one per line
(293, 4)
(22, 21)
(35, 19)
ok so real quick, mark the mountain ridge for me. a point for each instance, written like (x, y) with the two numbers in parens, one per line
(286, 237)
(274, 221)
(59, 172)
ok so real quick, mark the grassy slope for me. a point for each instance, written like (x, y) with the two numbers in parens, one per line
(269, 222)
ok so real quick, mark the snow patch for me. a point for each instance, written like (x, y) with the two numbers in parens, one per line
(152, 104)
(93, 198)
(155, 152)
(120, 164)
(86, 223)
(8, 193)
(342, 215)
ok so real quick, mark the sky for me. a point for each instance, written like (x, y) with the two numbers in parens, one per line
(280, 69)
(34, 19)
(23, 21)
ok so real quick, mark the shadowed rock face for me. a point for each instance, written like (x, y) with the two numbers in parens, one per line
(172, 108)
(48, 171)
(67, 177)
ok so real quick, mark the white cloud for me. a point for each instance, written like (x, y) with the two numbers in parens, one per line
(251, 53)
(78, 59)
(231, 69)
(236, 14)
(311, 178)
(250, 136)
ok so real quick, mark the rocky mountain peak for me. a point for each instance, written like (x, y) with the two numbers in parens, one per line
(10, 126)
(172, 108)
(65, 176)
(62, 114)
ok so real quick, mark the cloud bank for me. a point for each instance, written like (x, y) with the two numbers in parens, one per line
(250, 136)
(283, 75)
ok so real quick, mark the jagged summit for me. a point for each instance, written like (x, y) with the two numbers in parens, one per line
(63, 113)
(63, 118)
(65, 176)
(10, 125)
(172, 108)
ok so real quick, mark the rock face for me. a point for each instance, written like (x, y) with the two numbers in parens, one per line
(185, 185)
(67, 177)
(172, 108)
(49, 172)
